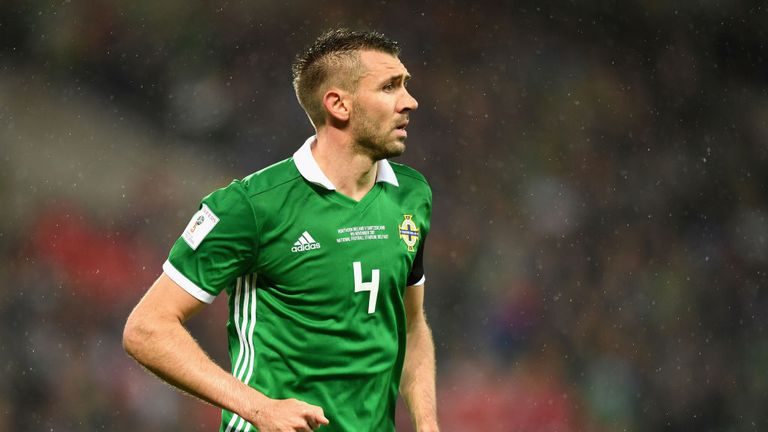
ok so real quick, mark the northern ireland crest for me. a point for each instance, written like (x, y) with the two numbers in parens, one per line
(409, 232)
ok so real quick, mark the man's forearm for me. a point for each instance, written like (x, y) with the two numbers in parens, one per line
(166, 348)
(418, 381)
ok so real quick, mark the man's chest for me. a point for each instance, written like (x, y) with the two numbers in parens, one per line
(322, 244)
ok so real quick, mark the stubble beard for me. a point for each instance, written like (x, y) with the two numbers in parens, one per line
(377, 143)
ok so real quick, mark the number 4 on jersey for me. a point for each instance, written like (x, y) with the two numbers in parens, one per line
(372, 286)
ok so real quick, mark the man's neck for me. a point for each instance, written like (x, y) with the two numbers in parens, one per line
(352, 173)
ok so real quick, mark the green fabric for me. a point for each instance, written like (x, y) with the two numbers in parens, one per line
(297, 327)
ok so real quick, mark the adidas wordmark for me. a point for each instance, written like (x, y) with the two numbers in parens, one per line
(305, 243)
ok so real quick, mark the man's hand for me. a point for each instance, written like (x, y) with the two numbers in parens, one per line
(288, 415)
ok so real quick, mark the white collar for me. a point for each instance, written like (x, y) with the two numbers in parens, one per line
(310, 170)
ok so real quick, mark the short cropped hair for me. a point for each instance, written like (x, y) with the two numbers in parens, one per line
(333, 59)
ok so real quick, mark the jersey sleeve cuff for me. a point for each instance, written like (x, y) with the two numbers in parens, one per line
(421, 281)
(187, 284)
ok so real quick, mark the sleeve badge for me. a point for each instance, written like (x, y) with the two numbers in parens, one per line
(201, 224)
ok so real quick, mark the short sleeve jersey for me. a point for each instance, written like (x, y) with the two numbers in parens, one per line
(315, 282)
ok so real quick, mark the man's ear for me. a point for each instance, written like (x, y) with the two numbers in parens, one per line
(337, 103)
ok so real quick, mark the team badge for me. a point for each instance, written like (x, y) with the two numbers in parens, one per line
(409, 232)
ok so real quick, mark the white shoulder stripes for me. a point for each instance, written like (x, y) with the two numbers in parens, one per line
(244, 313)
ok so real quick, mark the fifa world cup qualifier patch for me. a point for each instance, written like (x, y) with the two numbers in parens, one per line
(201, 224)
(409, 232)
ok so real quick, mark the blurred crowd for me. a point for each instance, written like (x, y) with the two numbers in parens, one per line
(600, 231)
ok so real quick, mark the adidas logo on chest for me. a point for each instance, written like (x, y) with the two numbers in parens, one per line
(305, 243)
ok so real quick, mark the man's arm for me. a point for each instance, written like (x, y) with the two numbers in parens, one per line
(155, 336)
(417, 384)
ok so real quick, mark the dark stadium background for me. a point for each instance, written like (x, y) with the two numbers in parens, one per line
(599, 248)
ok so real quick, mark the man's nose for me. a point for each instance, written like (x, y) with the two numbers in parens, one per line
(409, 102)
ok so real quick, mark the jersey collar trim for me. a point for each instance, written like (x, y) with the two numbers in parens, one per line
(310, 170)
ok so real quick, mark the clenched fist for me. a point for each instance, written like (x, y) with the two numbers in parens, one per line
(288, 415)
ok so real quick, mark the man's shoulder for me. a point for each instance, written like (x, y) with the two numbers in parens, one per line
(408, 175)
(259, 182)
(270, 177)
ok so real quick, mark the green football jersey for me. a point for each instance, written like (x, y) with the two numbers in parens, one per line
(315, 283)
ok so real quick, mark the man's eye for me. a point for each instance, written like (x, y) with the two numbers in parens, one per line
(389, 87)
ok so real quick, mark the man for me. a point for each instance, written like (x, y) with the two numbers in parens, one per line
(321, 257)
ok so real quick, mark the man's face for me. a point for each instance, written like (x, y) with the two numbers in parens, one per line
(380, 106)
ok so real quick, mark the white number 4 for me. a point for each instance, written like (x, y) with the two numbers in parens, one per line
(372, 286)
